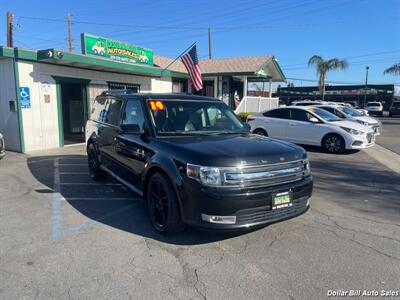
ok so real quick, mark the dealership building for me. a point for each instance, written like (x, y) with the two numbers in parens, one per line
(45, 95)
(361, 94)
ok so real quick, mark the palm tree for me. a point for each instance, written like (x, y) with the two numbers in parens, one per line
(323, 67)
(395, 69)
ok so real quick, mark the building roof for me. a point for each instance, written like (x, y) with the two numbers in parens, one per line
(247, 64)
(262, 66)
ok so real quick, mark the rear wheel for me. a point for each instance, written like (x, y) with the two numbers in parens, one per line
(260, 131)
(163, 205)
(93, 163)
(333, 143)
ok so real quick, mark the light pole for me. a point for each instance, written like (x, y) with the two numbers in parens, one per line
(366, 85)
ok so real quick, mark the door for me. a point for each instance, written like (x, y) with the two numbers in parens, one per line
(276, 122)
(301, 130)
(107, 132)
(130, 148)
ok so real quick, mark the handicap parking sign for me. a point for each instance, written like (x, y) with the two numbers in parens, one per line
(25, 97)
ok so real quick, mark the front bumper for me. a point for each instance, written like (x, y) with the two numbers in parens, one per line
(361, 141)
(251, 207)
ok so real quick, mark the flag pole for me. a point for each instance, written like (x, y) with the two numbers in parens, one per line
(178, 57)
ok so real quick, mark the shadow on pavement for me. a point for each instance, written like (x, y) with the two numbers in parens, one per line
(126, 211)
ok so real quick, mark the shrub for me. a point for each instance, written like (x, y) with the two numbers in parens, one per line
(243, 115)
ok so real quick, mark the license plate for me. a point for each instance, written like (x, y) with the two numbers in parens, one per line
(280, 200)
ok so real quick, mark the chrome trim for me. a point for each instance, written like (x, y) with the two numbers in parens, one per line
(241, 177)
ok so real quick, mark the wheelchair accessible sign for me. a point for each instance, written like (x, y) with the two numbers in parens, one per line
(25, 97)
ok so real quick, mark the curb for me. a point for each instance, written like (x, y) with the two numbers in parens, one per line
(386, 157)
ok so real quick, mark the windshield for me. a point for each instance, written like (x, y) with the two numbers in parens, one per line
(373, 104)
(322, 113)
(184, 117)
(350, 111)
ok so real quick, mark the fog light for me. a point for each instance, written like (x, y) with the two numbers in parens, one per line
(219, 219)
(357, 143)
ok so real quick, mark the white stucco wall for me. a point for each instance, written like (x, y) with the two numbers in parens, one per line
(8, 119)
(41, 120)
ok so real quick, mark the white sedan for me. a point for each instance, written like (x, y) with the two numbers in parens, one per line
(352, 114)
(312, 126)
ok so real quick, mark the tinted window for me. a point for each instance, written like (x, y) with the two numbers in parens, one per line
(98, 109)
(133, 114)
(176, 117)
(113, 107)
(300, 115)
(278, 113)
(396, 104)
(373, 104)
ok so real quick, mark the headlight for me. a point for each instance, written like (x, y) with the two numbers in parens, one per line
(205, 175)
(307, 169)
(363, 123)
(352, 131)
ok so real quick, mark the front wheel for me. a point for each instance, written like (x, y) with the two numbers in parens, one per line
(163, 205)
(260, 131)
(333, 143)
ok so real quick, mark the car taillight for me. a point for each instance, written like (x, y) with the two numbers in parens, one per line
(248, 119)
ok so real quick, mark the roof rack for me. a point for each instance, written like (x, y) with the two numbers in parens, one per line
(121, 91)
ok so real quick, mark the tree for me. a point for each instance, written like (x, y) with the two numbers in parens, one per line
(395, 69)
(323, 67)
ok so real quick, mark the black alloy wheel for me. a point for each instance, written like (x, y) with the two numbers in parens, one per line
(333, 143)
(93, 163)
(260, 131)
(163, 205)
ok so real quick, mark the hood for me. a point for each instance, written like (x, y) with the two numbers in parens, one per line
(231, 150)
(368, 119)
(352, 125)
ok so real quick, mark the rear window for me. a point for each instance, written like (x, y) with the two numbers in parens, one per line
(373, 104)
(278, 113)
(396, 104)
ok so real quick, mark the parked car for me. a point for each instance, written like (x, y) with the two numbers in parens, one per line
(195, 162)
(394, 109)
(351, 114)
(312, 126)
(374, 108)
(353, 104)
(2, 146)
(306, 102)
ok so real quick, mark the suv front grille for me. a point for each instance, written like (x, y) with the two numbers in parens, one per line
(260, 214)
(266, 175)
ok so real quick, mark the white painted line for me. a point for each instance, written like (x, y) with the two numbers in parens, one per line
(72, 165)
(74, 173)
(90, 183)
(101, 199)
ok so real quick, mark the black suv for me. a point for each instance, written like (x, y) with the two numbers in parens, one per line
(2, 147)
(394, 109)
(195, 162)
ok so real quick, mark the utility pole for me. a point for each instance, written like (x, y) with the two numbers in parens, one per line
(366, 85)
(10, 27)
(69, 32)
(209, 43)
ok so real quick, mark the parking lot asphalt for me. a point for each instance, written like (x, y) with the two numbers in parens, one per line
(64, 236)
(391, 134)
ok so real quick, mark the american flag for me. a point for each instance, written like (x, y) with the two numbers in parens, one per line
(191, 63)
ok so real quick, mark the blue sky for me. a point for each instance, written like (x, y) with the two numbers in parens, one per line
(365, 32)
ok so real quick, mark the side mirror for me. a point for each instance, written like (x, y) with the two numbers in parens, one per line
(314, 120)
(131, 128)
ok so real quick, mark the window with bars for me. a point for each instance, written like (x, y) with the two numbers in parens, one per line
(135, 88)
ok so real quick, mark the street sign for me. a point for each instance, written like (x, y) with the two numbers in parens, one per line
(25, 97)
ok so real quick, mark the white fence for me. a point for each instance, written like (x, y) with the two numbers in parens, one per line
(256, 104)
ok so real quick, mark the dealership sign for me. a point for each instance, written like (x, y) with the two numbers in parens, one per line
(103, 47)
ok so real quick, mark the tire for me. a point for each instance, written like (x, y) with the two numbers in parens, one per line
(333, 143)
(94, 164)
(260, 131)
(163, 205)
